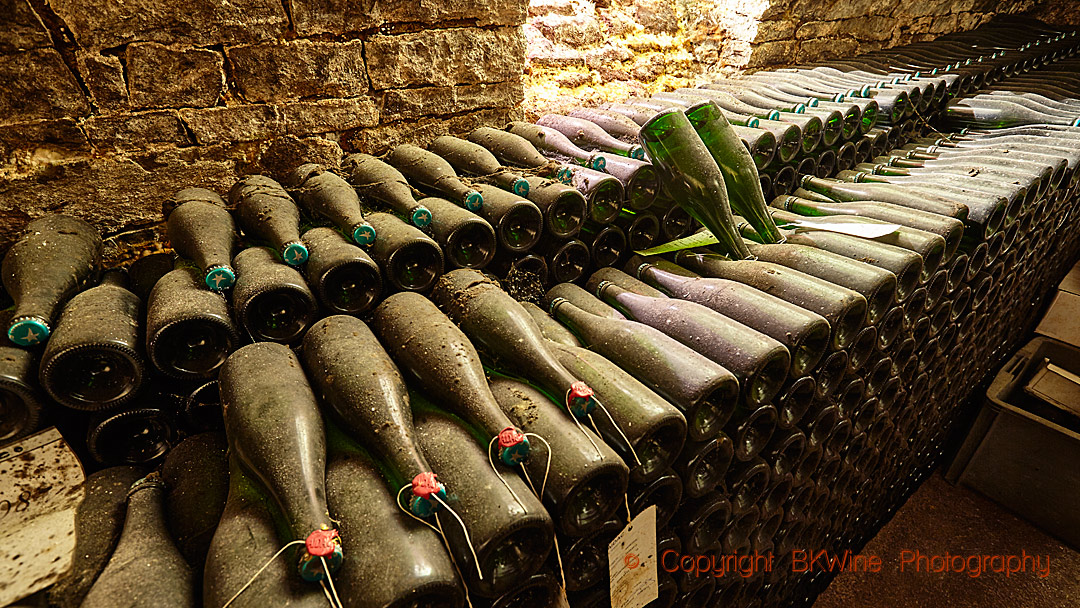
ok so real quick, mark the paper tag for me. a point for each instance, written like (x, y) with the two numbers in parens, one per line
(41, 484)
(632, 563)
(698, 239)
(562, 601)
(866, 231)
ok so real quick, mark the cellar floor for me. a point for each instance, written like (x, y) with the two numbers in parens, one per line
(942, 518)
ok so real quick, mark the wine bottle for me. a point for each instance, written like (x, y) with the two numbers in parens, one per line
(99, 520)
(587, 479)
(506, 332)
(201, 229)
(357, 379)
(844, 309)
(467, 240)
(275, 431)
(736, 164)
(616, 124)
(804, 333)
(564, 208)
(642, 228)
(640, 181)
(702, 389)
(271, 300)
(383, 183)
(508, 526)
(565, 261)
(344, 276)
(427, 169)
(145, 569)
(244, 540)
(540, 590)
(607, 244)
(555, 144)
(410, 260)
(432, 350)
(515, 150)
(701, 522)
(664, 492)
(702, 465)
(93, 359)
(878, 286)
(189, 331)
(326, 195)
(588, 134)
(196, 474)
(603, 193)
(412, 569)
(475, 160)
(691, 176)
(137, 434)
(18, 390)
(584, 300)
(267, 214)
(56, 256)
(584, 559)
(675, 222)
(759, 362)
(518, 222)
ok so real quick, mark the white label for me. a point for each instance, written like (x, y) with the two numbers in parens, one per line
(632, 563)
(41, 484)
(866, 231)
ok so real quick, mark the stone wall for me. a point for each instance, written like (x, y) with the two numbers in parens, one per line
(589, 51)
(109, 107)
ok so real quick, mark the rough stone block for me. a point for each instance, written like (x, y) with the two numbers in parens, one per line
(329, 115)
(943, 25)
(438, 101)
(445, 57)
(38, 85)
(311, 17)
(301, 68)
(102, 24)
(819, 29)
(768, 31)
(136, 131)
(420, 132)
(104, 78)
(657, 15)
(552, 7)
(869, 28)
(21, 143)
(825, 48)
(610, 54)
(20, 27)
(278, 157)
(781, 52)
(163, 77)
(575, 31)
(233, 123)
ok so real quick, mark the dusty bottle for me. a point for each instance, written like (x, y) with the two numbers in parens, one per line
(140, 433)
(423, 167)
(607, 244)
(271, 300)
(642, 228)
(804, 333)
(379, 182)
(366, 393)
(93, 359)
(640, 181)
(564, 260)
(189, 332)
(467, 240)
(518, 222)
(18, 390)
(877, 285)
(506, 332)
(431, 349)
(55, 258)
(615, 123)
(343, 276)
(245, 539)
(556, 144)
(276, 431)
(145, 569)
(852, 192)
(414, 569)
(201, 229)
(476, 160)
(740, 172)
(758, 361)
(844, 309)
(588, 134)
(517, 151)
(196, 474)
(702, 389)
(587, 479)
(585, 559)
(665, 492)
(691, 176)
(410, 260)
(564, 208)
(326, 195)
(702, 465)
(701, 523)
(603, 193)
(267, 214)
(512, 536)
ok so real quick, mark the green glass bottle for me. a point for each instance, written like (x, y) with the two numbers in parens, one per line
(692, 177)
(267, 214)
